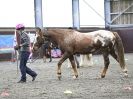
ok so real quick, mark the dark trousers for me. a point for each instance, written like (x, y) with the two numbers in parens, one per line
(24, 55)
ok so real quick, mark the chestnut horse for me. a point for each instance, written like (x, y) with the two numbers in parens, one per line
(72, 42)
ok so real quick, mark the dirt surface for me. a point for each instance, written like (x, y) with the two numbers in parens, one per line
(87, 86)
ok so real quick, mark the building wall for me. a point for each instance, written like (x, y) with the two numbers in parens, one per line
(119, 13)
(56, 13)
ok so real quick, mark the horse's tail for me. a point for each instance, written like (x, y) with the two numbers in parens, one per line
(120, 50)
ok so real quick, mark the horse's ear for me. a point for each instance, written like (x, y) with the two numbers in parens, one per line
(45, 32)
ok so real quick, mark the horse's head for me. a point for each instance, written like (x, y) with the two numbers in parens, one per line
(39, 40)
(37, 43)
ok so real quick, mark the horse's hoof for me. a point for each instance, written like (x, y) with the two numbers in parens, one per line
(50, 61)
(78, 66)
(102, 76)
(98, 77)
(76, 76)
(125, 75)
(59, 76)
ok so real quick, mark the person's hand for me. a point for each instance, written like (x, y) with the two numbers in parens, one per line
(17, 47)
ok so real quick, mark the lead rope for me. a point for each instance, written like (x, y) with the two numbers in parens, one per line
(16, 51)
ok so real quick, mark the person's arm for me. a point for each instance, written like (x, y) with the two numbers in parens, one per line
(26, 43)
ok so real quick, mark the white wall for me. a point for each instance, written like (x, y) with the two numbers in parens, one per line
(92, 13)
(57, 13)
(13, 12)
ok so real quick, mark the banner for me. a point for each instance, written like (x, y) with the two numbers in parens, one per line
(6, 43)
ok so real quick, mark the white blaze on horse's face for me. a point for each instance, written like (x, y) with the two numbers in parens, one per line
(101, 35)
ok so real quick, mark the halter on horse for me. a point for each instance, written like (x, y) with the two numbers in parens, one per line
(73, 42)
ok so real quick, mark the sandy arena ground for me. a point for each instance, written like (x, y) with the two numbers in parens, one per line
(87, 86)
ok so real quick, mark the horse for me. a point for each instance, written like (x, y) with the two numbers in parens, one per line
(42, 43)
(73, 42)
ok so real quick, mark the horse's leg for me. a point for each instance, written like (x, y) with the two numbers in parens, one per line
(115, 56)
(44, 55)
(77, 62)
(90, 59)
(106, 63)
(63, 58)
(68, 63)
(50, 55)
(71, 58)
(120, 52)
(81, 60)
